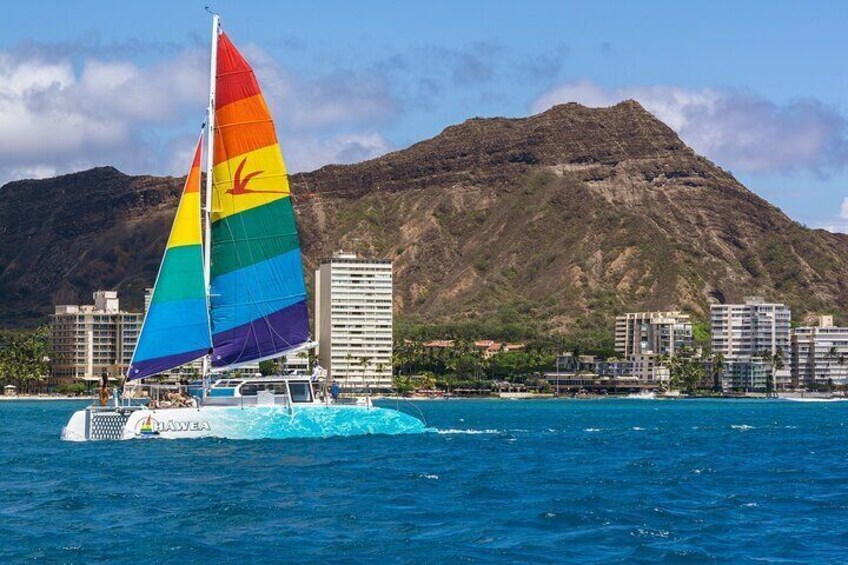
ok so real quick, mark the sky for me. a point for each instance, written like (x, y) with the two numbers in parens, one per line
(758, 87)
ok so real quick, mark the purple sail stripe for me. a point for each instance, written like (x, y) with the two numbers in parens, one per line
(149, 367)
(264, 337)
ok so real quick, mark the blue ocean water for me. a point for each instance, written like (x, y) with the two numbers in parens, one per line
(609, 481)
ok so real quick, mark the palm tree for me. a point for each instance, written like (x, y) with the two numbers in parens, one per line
(718, 372)
(775, 361)
(363, 362)
(832, 355)
(349, 364)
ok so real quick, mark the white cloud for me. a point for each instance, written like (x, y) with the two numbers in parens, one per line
(62, 114)
(56, 118)
(309, 152)
(738, 129)
(843, 210)
(342, 98)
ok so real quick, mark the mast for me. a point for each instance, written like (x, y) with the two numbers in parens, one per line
(210, 154)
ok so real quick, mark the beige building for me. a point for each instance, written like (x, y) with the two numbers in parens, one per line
(353, 321)
(820, 354)
(646, 368)
(658, 333)
(88, 340)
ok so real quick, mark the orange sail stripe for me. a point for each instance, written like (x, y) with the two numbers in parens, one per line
(242, 127)
(235, 79)
(193, 179)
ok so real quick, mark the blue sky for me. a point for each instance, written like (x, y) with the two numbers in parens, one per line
(758, 87)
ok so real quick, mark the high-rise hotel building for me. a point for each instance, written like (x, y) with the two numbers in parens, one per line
(820, 354)
(353, 320)
(88, 340)
(743, 333)
(652, 333)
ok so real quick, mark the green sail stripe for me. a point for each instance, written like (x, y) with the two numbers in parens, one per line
(182, 276)
(254, 235)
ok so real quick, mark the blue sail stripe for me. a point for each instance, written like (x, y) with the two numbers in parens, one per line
(173, 327)
(248, 294)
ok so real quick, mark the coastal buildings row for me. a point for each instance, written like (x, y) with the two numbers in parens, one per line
(753, 341)
(353, 325)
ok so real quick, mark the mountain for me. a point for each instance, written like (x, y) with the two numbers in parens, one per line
(558, 220)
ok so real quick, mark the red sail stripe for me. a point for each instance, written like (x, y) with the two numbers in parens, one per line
(235, 79)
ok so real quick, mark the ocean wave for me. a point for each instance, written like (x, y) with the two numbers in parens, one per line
(647, 532)
(742, 427)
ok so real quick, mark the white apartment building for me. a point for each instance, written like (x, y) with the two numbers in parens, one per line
(658, 333)
(648, 371)
(743, 332)
(353, 320)
(88, 340)
(820, 354)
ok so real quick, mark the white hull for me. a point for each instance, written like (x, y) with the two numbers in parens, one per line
(234, 422)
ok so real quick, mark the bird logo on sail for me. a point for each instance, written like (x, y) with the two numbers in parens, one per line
(240, 184)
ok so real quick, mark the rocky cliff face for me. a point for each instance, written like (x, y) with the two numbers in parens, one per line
(560, 219)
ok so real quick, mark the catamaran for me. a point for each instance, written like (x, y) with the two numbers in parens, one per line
(230, 291)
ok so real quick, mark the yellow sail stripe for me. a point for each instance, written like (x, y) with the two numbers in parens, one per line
(186, 230)
(261, 180)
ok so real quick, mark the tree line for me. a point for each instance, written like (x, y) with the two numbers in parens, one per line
(25, 359)
(463, 365)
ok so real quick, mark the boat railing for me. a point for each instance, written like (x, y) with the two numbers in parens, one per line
(283, 400)
(353, 401)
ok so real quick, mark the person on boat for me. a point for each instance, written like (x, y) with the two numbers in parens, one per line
(104, 388)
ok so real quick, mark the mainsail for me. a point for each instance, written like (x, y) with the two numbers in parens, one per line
(176, 326)
(257, 291)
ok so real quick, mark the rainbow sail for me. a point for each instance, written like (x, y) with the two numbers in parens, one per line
(176, 326)
(257, 291)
